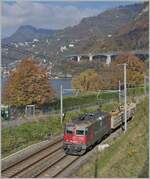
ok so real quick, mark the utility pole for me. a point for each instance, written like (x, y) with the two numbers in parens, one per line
(145, 85)
(61, 104)
(125, 96)
(119, 93)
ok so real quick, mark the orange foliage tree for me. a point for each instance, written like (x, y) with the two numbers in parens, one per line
(134, 63)
(111, 74)
(88, 80)
(28, 84)
(135, 68)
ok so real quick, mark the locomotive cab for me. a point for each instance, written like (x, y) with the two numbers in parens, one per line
(75, 139)
(83, 133)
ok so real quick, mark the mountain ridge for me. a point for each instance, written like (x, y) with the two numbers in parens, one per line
(125, 27)
(132, 35)
(26, 33)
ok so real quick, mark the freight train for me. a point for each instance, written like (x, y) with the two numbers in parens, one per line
(83, 133)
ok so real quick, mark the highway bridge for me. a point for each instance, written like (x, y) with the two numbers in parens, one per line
(107, 56)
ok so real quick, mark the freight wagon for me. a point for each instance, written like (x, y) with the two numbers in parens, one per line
(86, 131)
(117, 117)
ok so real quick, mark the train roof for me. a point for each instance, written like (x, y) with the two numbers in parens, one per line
(87, 119)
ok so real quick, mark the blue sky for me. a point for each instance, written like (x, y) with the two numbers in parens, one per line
(50, 14)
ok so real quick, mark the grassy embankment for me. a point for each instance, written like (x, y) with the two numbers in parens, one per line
(81, 100)
(92, 98)
(127, 156)
(17, 138)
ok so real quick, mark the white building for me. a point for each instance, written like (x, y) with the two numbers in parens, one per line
(71, 45)
(63, 48)
(16, 45)
(35, 40)
(21, 44)
(26, 43)
(109, 35)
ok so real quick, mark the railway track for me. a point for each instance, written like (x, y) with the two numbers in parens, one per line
(15, 168)
(74, 166)
(50, 161)
(69, 164)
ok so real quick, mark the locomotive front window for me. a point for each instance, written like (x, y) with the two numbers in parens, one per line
(79, 132)
(69, 130)
(86, 131)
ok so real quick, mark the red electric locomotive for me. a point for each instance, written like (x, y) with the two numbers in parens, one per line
(83, 133)
(89, 129)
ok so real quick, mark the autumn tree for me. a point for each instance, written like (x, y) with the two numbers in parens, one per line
(134, 63)
(112, 73)
(28, 84)
(135, 68)
(88, 80)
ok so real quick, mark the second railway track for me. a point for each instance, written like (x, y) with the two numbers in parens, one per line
(14, 169)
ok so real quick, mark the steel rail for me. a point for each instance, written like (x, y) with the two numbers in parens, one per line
(25, 163)
(52, 162)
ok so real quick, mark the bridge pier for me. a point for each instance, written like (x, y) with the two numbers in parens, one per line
(90, 58)
(109, 56)
(78, 58)
(108, 59)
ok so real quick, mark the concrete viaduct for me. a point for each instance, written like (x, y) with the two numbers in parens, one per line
(142, 54)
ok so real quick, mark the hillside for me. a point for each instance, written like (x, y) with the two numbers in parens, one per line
(117, 28)
(103, 24)
(127, 156)
(28, 33)
(136, 32)
(133, 35)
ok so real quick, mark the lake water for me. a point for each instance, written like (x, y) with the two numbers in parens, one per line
(56, 83)
(66, 84)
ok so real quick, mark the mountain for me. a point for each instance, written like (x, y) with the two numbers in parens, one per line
(135, 33)
(124, 27)
(91, 30)
(132, 35)
(97, 29)
(103, 24)
(27, 33)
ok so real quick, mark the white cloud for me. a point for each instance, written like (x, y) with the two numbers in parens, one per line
(43, 15)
